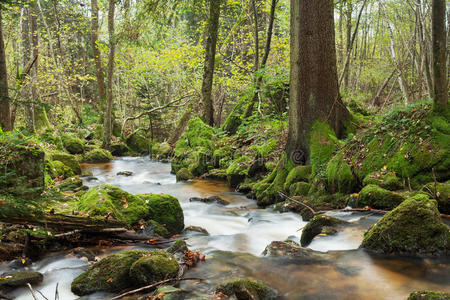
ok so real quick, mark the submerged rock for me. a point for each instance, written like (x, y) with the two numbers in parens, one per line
(377, 197)
(316, 226)
(413, 228)
(168, 292)
(428, 295)
(244, 289)
(293, 250)
(124, 173)
(111, 274)
(210, 199)
(196, 229)
(13, 280)
(153, 267)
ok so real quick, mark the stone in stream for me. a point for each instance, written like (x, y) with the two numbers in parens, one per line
(210, 199)
(244, 289)
(153, 267)
(293, 250)
(9, 281)
(179, 247)
(183, 175)
(196, 229)
(168, 292)
(428, 295)
(124, 173)
(412, 228)
(81, 252)
(319, 224)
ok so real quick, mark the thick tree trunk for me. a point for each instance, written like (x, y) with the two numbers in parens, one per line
(97, 55)
(208, 71)
(440, 56)
(26, 57)
(112, 45)
(5, 112)
(349, 45)
(314, 91)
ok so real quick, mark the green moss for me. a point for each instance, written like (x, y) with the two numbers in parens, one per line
(153, 267)
(297, 174)
(165, 210)
(384, 179)
(428, 295)
(340, 177)
(167, 292)
(197, 134)
(222, 156)
(137, 143)
(441, 193)
(106, 200)
(58, 169)
(299, 189)
(20, 279)
(199, 159)
(377, 197)
(68, 160)
(238, 170)
(179, 246)
(315, 227)
(248, 289)
(413, 228)
(97, 156)
(323, 143)
(70, 184)
(157, 229)
(119, 149)
(111, 274)
(183, 175)
(161, 151)
(72, 144)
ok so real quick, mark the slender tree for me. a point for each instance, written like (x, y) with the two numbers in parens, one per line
(208, 71)
(440, 56)
(109, 103)
(97, 55)
(5, 112)
(314, 91)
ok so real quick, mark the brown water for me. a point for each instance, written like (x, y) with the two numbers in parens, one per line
(239, 233)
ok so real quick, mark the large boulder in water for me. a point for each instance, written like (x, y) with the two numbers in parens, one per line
(153, 267)
(244, 289)
(413, 228)
(111, 274)
(316, 226)
(72, 144)
(97, 155)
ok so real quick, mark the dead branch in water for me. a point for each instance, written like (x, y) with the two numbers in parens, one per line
(298, 202)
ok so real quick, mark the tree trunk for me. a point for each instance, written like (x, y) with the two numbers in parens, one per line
(208, 71)
(439, 56)
(112, 45)
(5, 112)
(349, 45)
(97, 55)
(26, 57)
(314, 91)
(182, 123)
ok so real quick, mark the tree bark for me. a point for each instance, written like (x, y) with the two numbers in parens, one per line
(97, 55)
(314, 90)
(439, 56)
(208, 71)
(26, 57)
(349, 45)
(5, 111)
(112, 45)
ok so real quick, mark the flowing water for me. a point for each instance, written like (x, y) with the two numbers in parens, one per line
(239, 232)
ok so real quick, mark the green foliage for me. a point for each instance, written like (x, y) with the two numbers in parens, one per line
(377, 197)
(154, 267)
(323, 143)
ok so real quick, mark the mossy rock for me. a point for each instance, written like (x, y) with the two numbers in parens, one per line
(168, 292)
(58, 169)
(161, 151)
(219, 174)
(441, 193)
(299, 189)
(72, 144)
(12, 280)
(316, 226)
(179, 247)
(428, 295)
(155, 229)
(297, 174)
(104, 200)
(97, 156)
(323, 144)
(413, 228)
(137, 143)
(340, 177)
(119, 149)
(71, 184)
(377, 197)
(183, 175)
(199, 165)
(238, 170)
(153, 267)
(197, 134)
(386, 180)
(111, 274)
(67, 159)
(244, 289)
(222, 156)
(166, 210)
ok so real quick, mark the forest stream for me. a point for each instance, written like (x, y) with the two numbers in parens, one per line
(239, 233)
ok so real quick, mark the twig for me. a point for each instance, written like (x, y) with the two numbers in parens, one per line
(42, 294)
(291, 199)
(152, 286)
(32, 291)
(56, 292)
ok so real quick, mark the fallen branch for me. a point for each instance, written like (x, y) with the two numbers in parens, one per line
(298, 202)
(153, 286)
(32, 292)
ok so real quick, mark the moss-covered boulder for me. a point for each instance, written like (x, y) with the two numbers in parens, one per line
(316, 226)
(138, 143)
(183, 175)
(72, 144)
(244, 289)
(197, 134)
(161, 150)
(179, 247)
(200, 160)
(71, 184)
(153, 267)
(104, 200)
(119, 149)
(413, 228)
(237, 171)
(22, 170)
(67, 159)
(340, 178)
(386, 180)
(97, 155)
(441, 193)
(13, 280)
(222, 156)
(428, 295)
(299, 189)
(167, 292)
(57, 169)
(111, 274)
(297, 174)
(377, 197)
(166, 210)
